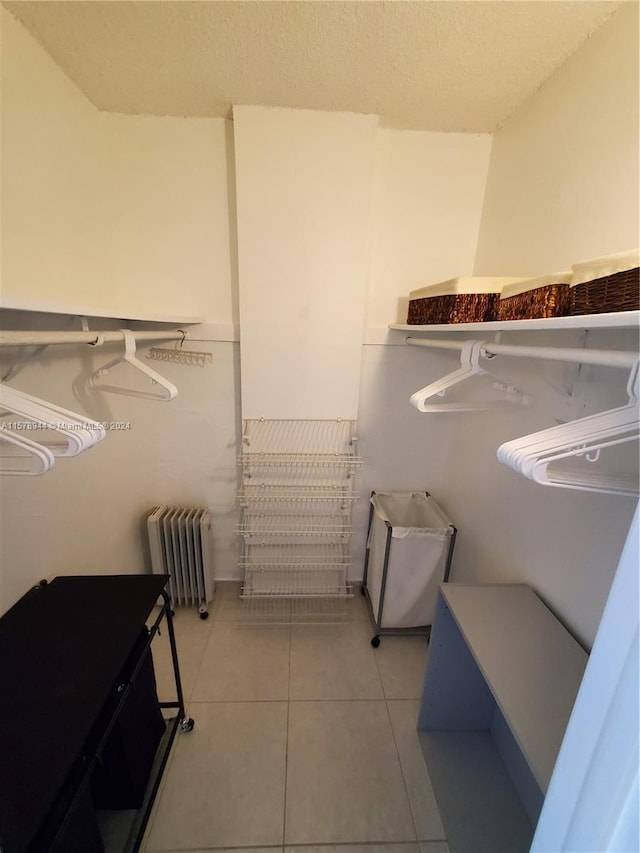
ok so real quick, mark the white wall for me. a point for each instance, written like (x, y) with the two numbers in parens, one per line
(166, 199)
(52, 216)
(562, 186)
(563, 181)
(427, 198)
(84, 516)
(592, 802)
(303, 183)
(120, 216)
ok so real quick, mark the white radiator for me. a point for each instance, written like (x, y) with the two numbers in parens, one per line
(179, 542)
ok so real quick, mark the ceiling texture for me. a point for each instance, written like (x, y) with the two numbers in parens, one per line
(423, 65)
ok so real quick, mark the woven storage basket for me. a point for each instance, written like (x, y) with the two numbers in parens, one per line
(465, 308)
(606, 285)
(536, 298)
(458, 300)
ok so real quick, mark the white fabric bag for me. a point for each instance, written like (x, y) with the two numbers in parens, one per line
(417, 534)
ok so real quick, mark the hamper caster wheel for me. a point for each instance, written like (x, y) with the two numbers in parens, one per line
(187, 724)
(375, 642)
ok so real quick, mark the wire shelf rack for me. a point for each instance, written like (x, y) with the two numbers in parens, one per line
(263, 459)
(295, 556)
(299, 444)
(296, 499)
(299, 493)
(298, 437)
(295, 583)
(274, 612)
(312, 526)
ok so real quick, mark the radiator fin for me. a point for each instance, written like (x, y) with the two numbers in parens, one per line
(180, 546)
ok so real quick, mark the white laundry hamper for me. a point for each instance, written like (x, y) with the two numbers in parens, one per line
(409, 551)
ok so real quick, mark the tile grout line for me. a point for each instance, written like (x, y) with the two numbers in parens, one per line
(286, 746)
(395, 743)
(200, 665)
(380, 678)
(404, 779)
(174, 747)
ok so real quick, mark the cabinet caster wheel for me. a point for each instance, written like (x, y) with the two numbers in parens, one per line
(187, 724)
(204, 614)
(375, 642)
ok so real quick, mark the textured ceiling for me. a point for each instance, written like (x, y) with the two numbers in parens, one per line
(445, 66)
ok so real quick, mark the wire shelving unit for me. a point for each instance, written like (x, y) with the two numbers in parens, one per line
(296, 499)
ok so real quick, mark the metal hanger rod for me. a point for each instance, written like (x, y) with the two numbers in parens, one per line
(603, 358)
(95, 338)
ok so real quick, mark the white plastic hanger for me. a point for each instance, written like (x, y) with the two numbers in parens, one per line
(536, 456)
(23, 457)
(166, 391)
(469, 367)
(78, 432)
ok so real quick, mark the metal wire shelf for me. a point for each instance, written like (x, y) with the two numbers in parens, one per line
(296, 501)
(295, 555)
(299, 436)
(272, 612)
(304, 525)
(264, 459)
(300, 493)
(296, 583)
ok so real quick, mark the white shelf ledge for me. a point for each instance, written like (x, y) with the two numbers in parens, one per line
(79, 310)
(619, 320)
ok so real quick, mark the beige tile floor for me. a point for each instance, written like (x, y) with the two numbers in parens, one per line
(304, 739)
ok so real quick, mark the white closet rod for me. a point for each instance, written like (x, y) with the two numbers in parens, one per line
(603, 358)
(95, 338)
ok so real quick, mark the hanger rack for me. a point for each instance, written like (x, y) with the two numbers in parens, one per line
(508, 395)
(91, 337)
(536, 456)
(602, 358)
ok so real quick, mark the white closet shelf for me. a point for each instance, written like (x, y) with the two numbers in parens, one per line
(84, 311)
(618, 320)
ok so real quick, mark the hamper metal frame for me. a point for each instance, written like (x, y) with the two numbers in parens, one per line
(420, 630)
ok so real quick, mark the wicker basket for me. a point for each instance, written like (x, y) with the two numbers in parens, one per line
(464, 308)
(617, 292)
(537, 298)
(458, 300)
